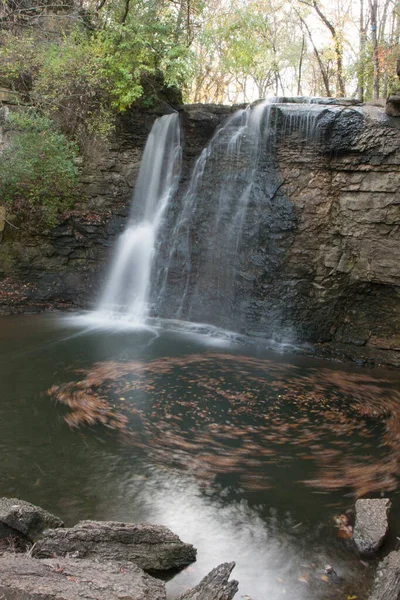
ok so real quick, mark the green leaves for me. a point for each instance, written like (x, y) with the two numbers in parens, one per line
(37, 170)
(84, 78)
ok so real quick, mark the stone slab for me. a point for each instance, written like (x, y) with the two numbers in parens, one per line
(371, 525)
(152, 547)
(26, 518)
(25, 578)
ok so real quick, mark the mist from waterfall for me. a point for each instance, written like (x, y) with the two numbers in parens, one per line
(127, 286)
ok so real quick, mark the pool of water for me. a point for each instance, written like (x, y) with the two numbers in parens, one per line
(249, 454)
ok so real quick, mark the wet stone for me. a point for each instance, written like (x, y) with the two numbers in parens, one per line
(215, 585)
(26, 578)
(151, 547)
(371, 525)
(25, 518)
(387, 579)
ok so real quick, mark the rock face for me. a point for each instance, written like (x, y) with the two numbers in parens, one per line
(387, 579)
(318, 261)
(393, 105)
(371, 526)
(97, 560)
(26, 518)
(214, 586)
(151, 547)
(26, 578)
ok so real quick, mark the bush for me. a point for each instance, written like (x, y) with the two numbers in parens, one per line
(38, 173)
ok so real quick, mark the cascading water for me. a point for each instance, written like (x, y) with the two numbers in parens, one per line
(199, 264)
(127, 286)
(211, 253)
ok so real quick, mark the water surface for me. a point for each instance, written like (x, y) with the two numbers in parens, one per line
(248, 454)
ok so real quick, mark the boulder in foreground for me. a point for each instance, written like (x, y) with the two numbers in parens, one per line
(26, 518)
(26, 578)
(387, 579)
(371, 525)
(151, 547)
(214, 586)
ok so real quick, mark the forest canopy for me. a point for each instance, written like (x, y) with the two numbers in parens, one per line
(81, 62)
(84, 60)
(77, 64)
(213, 50)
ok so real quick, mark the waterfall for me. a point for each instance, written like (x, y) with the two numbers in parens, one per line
(200, 261)
(210, 250)
(127, 286)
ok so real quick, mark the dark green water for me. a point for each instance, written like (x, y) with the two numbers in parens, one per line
(247, 454)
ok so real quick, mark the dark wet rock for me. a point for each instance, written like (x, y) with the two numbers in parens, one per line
(392, 108)
(12, 540)
(26, 578)
(333, 576)
(25, 518)
(371, 526)
(151, 547)
(214, 586)
(318, 100)
(387, 579)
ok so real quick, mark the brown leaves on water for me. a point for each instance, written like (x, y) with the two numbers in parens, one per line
(344, 529)
(215, 413)
(87, 408)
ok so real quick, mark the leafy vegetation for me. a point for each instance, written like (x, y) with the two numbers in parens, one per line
(37, 171)
(82, 62)
(86, 60)
(87, 73)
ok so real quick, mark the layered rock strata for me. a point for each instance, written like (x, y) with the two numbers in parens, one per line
(321, 263)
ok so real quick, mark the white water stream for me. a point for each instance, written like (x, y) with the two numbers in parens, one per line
(127, 285)
(189, 270)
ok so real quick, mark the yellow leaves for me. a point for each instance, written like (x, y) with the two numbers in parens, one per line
(345, 531)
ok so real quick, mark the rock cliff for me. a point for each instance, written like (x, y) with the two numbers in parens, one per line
(320, 257)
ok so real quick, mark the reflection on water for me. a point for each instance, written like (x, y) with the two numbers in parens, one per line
(271, 550)
(246, 454)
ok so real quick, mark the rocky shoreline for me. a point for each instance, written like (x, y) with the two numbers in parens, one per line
(40, 558)
(94, 560)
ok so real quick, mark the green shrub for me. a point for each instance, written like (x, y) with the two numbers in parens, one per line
(38, 173)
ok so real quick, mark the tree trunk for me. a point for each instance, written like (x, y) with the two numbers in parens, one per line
(373, 4)
(324, 74)
(303, 44)
(361, 60)
(338, 50)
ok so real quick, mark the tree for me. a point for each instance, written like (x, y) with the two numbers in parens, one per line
(95, 68)
(38, 172)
